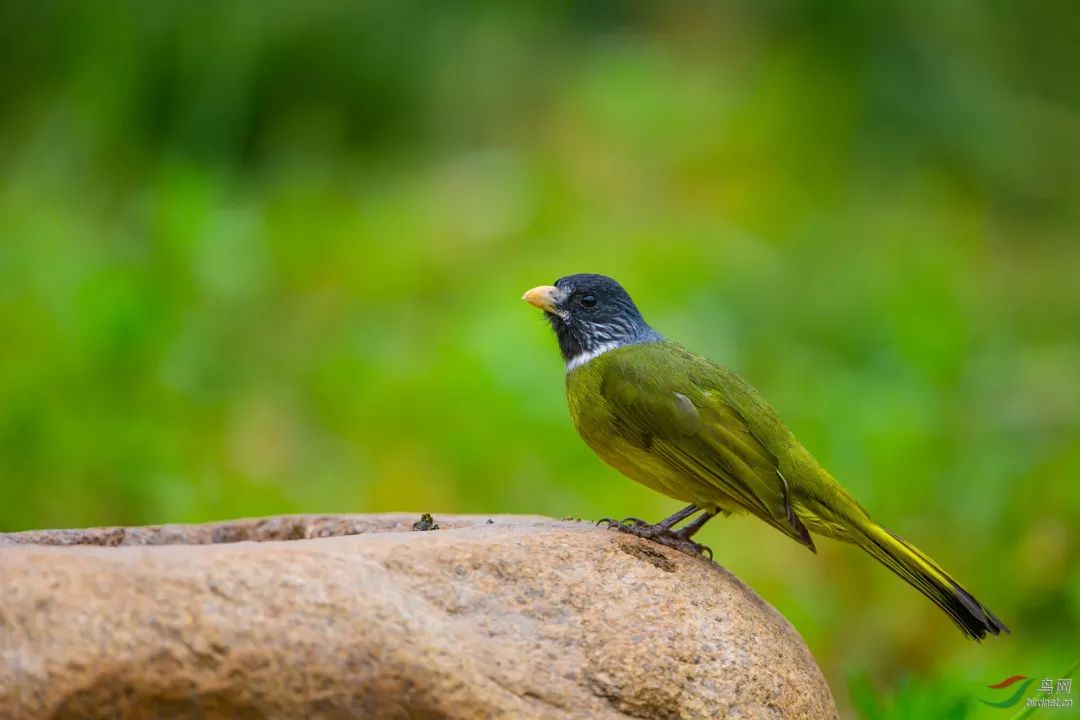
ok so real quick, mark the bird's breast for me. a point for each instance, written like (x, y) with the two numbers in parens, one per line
(598, 426)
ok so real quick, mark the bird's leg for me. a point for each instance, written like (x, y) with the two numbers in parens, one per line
(662, 533)
(688, 532)
(679, 516)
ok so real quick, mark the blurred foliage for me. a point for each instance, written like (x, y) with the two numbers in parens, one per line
(266, 257)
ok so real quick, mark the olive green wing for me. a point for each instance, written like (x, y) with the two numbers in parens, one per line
(666, 403)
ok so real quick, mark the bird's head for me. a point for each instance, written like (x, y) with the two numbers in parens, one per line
(590, 314)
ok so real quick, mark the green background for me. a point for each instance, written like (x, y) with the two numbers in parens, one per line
(267, 258)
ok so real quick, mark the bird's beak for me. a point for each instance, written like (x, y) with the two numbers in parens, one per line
(545, 297)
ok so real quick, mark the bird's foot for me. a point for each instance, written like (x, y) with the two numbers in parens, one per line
(631, 521)
(658, 533)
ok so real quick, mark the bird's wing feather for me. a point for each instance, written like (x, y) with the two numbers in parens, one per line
(678, 413)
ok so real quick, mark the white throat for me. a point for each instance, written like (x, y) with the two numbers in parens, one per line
(578, 360)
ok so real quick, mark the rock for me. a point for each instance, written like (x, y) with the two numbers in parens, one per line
(361, 617)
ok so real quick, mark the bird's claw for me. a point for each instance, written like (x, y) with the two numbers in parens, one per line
(657, 533)
(698, 547)
(625, 522)
(687, 546)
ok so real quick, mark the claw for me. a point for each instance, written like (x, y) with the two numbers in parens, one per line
(625, 522)
(698, 547)
(658, 533)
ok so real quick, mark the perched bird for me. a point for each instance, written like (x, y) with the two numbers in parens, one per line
(697, 432)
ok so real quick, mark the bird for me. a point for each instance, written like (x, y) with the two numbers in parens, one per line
(695, 431)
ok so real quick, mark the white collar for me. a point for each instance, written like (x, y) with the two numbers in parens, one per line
(578, 360)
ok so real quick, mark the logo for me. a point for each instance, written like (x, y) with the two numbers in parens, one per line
(1015, 697)
(1050, 694)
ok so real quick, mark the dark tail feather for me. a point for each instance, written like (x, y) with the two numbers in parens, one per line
(926, 576)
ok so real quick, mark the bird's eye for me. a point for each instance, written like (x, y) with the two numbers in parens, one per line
(588, 301)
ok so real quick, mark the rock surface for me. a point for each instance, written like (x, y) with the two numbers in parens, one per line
(360, 616)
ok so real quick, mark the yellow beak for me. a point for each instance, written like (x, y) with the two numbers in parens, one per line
(545, 297)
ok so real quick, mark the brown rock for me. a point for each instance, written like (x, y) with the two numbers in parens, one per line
(521, 617)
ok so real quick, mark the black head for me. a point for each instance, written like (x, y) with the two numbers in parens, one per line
(590, 314)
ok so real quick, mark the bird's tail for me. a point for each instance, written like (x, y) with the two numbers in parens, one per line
(926, 576)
